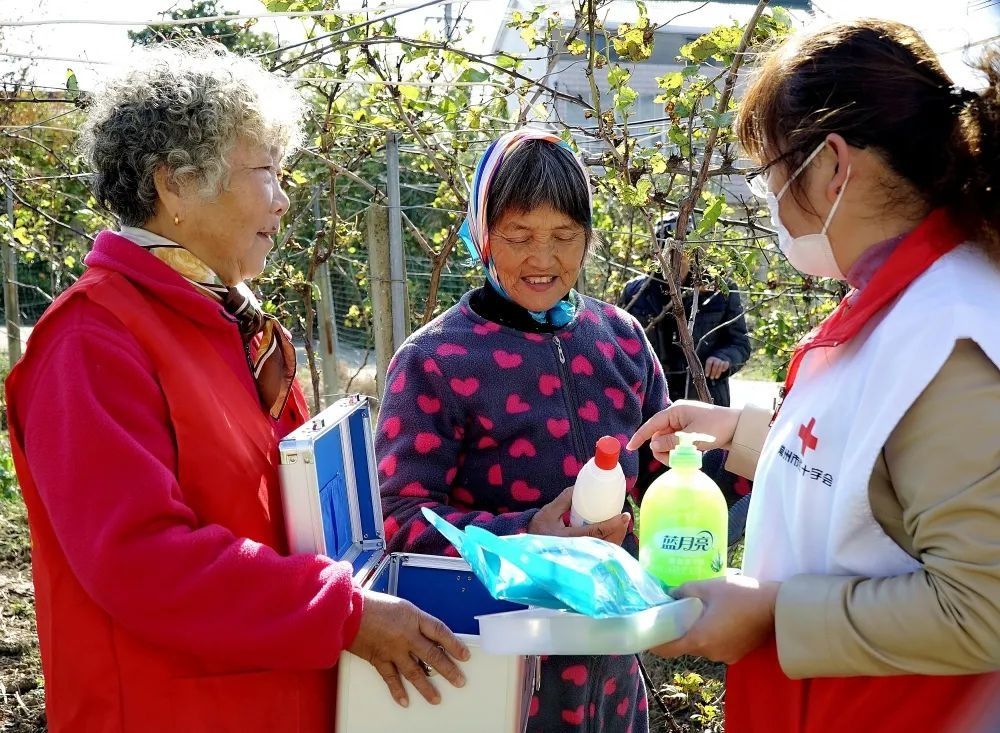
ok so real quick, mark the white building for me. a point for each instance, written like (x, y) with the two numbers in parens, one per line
(677, 24)
(682, 22)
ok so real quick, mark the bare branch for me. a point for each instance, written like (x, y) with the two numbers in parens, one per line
(341, 170)
(6, 181)
(429, 149)
(684, 212)
(59, 161)
(554, 55)
(439, 262)
(476, 58)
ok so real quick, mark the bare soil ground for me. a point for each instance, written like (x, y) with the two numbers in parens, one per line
(22, 695)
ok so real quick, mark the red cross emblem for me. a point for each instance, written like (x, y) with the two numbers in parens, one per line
(808, 439)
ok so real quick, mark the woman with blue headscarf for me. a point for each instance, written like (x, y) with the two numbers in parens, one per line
(492, 409)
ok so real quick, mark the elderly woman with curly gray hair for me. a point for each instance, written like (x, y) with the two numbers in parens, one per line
(144, 420)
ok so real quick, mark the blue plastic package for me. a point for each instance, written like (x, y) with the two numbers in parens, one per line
(581, 574)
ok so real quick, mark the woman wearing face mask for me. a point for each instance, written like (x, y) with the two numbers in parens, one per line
(871, 590)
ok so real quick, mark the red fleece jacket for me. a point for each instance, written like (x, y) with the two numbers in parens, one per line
(101, 451)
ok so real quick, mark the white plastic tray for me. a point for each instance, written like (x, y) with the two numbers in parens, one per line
(545, 631)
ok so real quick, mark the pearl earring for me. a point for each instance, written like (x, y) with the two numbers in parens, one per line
(177, 220)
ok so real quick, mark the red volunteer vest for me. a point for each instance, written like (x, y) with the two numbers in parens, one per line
(101, 678)
(760, 698)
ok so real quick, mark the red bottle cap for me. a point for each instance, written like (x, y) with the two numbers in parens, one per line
(608, 450)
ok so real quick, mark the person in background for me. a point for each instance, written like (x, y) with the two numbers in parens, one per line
(719, 331)
(492, 408)
(870, 595)
(144, 421)
(721, 343)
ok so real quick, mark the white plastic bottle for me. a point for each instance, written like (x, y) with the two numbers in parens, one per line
(599, 491)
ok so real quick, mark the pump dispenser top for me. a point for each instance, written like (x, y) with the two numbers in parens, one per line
(686, 454)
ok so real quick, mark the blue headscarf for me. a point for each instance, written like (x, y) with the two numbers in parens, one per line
(474, 231)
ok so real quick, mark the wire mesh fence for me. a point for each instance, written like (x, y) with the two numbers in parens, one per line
(427, 215)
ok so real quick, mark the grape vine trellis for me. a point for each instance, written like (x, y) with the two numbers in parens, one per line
(362, 78)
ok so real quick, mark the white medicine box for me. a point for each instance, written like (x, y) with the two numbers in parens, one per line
(332, 507)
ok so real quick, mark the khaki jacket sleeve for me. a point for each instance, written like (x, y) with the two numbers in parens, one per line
(748, 440)
(943, 462)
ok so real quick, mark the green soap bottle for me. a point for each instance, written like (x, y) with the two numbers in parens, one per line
(684, 520)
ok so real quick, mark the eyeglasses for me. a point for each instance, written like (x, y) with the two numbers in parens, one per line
(757, 177)
(757, 181)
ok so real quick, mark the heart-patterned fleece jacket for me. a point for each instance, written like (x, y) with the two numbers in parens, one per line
(485, 424)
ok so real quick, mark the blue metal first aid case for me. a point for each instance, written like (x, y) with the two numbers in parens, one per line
(332, 507)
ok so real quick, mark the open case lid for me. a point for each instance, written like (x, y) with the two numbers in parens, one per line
(329, 486)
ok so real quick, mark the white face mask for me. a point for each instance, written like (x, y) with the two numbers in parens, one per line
(810, 254)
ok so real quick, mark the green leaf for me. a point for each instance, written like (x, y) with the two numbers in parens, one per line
(670, 82)
(473, 117)
(448, 107)
(714, 119)
(409, 93)
(299, 177)
(530, 35)
(657, 163)
(625, 98)
(635, 44)
(637, 195)
(782, 17)
(711, 215)
(506, 61)
(576, 47)
(474, 75)
(72, 85)
(698, 51)
(69, 261)
(617, 75)
(643, 188)
(719, 43)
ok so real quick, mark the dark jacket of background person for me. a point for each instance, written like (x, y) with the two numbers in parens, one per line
(720, 330)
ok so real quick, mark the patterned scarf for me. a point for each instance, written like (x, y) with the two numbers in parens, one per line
(272, 362)
(475, 232)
